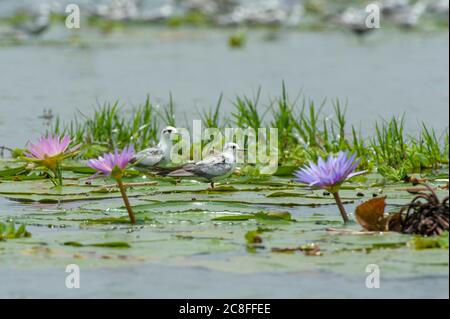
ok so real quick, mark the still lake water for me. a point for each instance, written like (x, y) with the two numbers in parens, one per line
(389, 73)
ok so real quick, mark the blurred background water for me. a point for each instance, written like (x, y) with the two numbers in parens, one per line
(386, 73)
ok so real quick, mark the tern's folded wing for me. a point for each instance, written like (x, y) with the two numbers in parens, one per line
(149, 157)
(212, 160)
(210, 171)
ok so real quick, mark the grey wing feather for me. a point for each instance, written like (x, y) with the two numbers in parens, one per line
(211, 171)
(148, 157)
(213, 160)
(202, 170)
(209, 168)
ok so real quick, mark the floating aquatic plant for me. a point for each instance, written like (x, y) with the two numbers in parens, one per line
(425, 215)
(50, 152)
(237, 40)
(436, 242)
(330, 175)
(9, 231)
(114, 164)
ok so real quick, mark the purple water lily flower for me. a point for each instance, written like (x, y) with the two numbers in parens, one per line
(330, 175)
(114, 164)
(107, 163)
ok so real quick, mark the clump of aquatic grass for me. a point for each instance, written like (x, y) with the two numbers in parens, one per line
(324, 134)
(211, 117)
(391, 150)
(397, 154)
(430, 147)
(247, 113)
(305, 131)
(109, 127)
(167, 114)
(389, 144)
(282, 110)
(308, 124)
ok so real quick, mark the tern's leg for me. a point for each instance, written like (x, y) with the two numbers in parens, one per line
(212, 184)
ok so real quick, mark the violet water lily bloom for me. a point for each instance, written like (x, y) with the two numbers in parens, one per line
(114, 164)
(329, 174)
(110, 162)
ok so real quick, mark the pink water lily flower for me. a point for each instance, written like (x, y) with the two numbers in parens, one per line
(50, 150)
(110, 162)
(48, 147)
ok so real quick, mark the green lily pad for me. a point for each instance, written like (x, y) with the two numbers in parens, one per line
(116, 244)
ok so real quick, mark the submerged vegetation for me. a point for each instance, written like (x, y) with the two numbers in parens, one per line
(305, 132)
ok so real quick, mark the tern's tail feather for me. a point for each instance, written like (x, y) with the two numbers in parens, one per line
(157, 171)
(180, 173)
(164, 171)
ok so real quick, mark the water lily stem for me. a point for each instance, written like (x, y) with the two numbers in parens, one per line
(126, 201)
(59, 174)
(338, 200)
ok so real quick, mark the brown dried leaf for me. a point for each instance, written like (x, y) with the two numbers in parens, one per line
(370, 214)
(394, 222)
